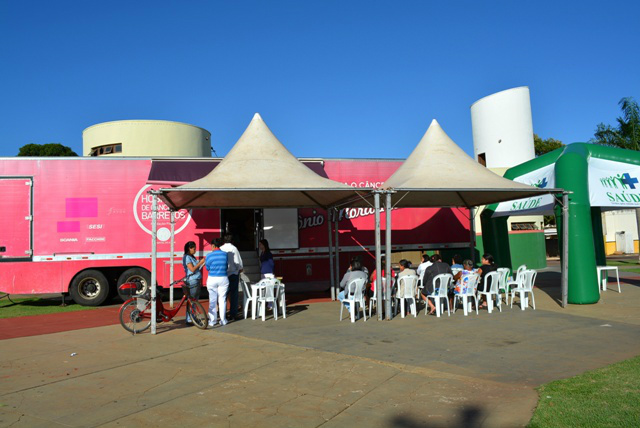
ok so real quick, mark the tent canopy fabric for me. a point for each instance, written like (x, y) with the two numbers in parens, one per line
(259, 172)
(438, 173)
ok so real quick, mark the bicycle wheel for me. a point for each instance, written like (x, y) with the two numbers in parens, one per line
(133, 319)
(198, 314)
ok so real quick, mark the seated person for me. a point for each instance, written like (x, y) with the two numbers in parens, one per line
(431, 272)
(426, 262)
(405, 269)
(354, 272)
(359, 259)
(487, 266)
(372, 280)
(462, 278)
(456, 262)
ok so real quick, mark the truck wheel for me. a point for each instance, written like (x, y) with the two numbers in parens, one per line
(89, 288)
(141, 277)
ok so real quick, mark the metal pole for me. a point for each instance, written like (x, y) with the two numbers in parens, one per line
(376, 199)
(387, 251)
(565, 249)
(331, 278)
(173, 232)
(337, 251)
(472, 234)
(154, 259)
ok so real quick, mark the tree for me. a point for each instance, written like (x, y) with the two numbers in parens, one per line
(545, 146)
(627, 133)
(51, 149)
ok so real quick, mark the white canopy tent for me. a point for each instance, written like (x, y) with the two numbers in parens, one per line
(438, 173)
(258, 172)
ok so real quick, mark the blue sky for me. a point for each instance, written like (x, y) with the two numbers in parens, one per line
(330, 78)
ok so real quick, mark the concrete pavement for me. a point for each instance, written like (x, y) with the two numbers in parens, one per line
(312, 370)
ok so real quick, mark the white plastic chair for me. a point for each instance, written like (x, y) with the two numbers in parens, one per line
(246, 296)
(467, 294)
(494, 279)
(373, 301)
(354, 296)
(419, 284)
(441, 285)
(268, 293)
(529, 278)
(504, 275)
(407, 284)
(281, 298)
(517, 278)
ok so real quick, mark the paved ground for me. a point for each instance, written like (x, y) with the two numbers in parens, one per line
(312, 370)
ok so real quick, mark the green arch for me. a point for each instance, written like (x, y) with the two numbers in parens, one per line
(586, 245)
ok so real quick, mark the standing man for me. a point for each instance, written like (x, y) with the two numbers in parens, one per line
(217, 262)
(235, 267)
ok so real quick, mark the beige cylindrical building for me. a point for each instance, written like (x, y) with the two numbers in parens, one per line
(146, 138)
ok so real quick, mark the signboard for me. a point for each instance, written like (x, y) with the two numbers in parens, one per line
(613, 184)
(538, 205)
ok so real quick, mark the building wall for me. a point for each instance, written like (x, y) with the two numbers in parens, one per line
(148, 138)
(502, 128)
(619, 221)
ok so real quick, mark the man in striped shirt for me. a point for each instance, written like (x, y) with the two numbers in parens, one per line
(216, 263)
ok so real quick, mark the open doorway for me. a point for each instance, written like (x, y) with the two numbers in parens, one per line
(245, 225)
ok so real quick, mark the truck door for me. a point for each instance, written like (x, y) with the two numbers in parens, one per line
(16, 222)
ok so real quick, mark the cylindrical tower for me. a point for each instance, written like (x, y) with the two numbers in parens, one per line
(146, 138)
(503, 129)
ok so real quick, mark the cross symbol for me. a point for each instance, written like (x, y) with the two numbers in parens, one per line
(628, 180)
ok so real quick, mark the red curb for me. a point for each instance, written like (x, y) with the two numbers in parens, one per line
(36, 325)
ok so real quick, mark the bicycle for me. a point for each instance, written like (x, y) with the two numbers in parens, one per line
(135, 313)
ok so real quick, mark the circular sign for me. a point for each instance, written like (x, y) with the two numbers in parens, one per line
(143, 213)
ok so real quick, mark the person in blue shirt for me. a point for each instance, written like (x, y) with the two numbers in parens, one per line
(456, 262)
(266, 258)
(192, 270)
(217, 262)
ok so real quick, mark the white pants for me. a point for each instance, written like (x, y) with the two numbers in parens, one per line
(217, 287)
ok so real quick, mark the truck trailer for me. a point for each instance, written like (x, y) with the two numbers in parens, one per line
(82, 226)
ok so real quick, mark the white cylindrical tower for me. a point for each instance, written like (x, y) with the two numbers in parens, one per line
(146, 138)
(503, 129)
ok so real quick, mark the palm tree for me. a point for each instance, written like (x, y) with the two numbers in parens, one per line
(627, 133)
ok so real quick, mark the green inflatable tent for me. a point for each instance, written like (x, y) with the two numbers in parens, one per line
(599, 178)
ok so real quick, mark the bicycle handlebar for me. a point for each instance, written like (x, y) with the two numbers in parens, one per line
(178, 281)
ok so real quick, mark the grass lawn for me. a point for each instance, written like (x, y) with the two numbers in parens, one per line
(625, 265)
(608, 397)
(35, 306)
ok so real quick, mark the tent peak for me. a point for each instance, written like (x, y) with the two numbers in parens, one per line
(257, 117)
(434, 123)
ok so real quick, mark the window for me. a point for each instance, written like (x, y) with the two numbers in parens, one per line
(524, 226)
(482, 159)
(106, 149)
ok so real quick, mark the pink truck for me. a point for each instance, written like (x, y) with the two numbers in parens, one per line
(83, 225)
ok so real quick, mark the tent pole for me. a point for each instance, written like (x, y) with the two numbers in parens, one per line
(154, 259)
(472, 234)
(565, 249)
(337, 251)
(173, 233)
(376, 198)
(387, 269)
(330, 246)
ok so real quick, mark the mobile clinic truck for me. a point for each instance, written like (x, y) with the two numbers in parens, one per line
(83, 225)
